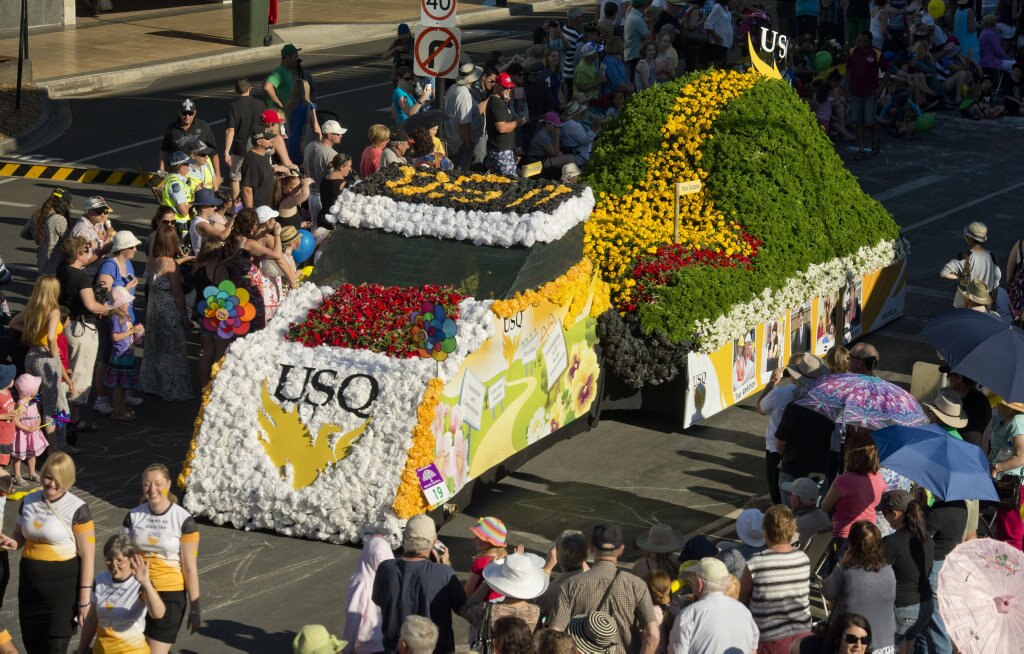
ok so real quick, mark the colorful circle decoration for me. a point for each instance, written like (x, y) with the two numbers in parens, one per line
(433, 332)
(226, 310)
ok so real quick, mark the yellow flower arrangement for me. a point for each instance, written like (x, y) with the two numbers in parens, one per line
(574, 287)
(409, 500)
(186, 466)
(623, 228)
(435, 185)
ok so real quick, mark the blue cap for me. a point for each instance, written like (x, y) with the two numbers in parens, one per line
(403, 28)
(179, 159)
(7, 375)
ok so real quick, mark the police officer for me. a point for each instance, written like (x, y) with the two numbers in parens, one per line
(177, 192)
(201, 173)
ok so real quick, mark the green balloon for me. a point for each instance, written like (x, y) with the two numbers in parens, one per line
(822, 60)
(924, 122)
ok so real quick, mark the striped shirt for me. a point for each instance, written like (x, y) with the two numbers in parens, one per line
(780, 601)
(573, 37)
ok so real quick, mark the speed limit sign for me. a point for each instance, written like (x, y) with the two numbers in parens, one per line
(438, 13)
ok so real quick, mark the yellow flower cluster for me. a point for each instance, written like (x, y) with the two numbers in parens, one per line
(623, 228)
(409, 499)
(573, 288)
(186, 467)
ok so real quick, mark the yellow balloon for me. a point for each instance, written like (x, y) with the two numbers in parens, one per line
(936, 9)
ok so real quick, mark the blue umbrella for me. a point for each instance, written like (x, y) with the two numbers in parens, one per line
(981, 346)
(951, 468)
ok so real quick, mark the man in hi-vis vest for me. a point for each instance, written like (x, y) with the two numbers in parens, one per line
(177, 192)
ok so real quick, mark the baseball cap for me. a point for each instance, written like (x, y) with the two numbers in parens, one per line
(552, 118)
(505, 81)
(419, 530)
(270, 117)
(96, 202)
(201, 148)
(332, 127)
(804, 488)
(606, 537)
(179, 159)
(264, 134)
(588, 49)
(711, 570)
(403, 28)
(265, 213)
(895, 500)
(289, 49)
(188, 105)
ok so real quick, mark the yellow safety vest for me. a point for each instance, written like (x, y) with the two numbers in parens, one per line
(202, 178)
(166, 200)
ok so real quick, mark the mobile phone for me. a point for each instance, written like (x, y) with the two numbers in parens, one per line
(439, 547)
(129, 278)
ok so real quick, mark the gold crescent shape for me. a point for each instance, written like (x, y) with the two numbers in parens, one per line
(759, 65)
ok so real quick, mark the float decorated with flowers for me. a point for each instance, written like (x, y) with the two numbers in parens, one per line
(448, 330)
(778, 251)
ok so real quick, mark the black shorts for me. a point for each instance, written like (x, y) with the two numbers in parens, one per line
(166, 628)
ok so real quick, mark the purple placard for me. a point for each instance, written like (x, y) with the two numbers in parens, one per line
(429, 476)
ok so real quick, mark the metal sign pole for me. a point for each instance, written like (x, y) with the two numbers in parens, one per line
(675, 228)
(22, 52)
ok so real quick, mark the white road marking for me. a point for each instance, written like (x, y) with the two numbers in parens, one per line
(5, 203)
(966, 205)
(909, 187)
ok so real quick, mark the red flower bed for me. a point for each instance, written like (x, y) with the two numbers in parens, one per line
(658, 270)
(372, 317)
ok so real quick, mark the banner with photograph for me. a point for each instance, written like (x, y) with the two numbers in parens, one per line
(717, 380)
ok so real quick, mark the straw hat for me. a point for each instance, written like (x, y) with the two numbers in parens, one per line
(516, 575)
(1016, 406)
(978, 231)
(808, 367)
(660, 539)
(948, 408)
(572, 110)
(976, 291)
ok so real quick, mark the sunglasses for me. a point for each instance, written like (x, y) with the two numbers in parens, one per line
(188, 113)
(168, 222)
(851, 639)
(406, 79)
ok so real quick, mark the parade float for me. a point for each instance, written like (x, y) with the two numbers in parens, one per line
(448, 331)
(777, 251)
(458, 323)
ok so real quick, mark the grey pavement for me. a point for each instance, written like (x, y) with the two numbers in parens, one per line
(259, 588)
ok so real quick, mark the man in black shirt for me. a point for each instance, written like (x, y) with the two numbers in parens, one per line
(243, 119)
(804, 436)
(257, 174)
(183, 133)
(502, 129)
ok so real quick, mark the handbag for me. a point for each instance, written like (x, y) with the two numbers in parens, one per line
(483, 642)
(1008, 490)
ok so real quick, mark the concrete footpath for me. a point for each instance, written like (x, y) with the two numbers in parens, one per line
(117, 50)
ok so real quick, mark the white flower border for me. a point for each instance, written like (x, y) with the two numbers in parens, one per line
(817, 280)
(493, 228)
(232, 480)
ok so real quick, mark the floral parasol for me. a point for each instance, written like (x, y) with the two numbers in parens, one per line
(981, 596)
(863, 401)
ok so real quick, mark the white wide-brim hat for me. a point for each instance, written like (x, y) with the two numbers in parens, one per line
(518, 576)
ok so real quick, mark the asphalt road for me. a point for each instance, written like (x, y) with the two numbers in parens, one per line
(258, 589)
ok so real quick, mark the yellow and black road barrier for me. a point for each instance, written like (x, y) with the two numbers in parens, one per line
(81, 175)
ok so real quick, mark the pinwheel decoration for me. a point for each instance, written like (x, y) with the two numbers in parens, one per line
(226, 310)
(433, 332)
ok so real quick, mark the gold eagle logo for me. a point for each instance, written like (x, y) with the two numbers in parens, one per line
(288, 441)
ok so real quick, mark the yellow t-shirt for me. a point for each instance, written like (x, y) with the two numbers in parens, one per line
(48, 533)
(159, 539)
(44, 340)
(120, 615)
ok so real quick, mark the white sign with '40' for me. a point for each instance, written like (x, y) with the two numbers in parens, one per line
(438, 13)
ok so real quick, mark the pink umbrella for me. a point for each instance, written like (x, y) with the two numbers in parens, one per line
(981, 596)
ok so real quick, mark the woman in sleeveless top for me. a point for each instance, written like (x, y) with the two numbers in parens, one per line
(965, 28)
(879, 23)
(165, 366)
(645, 75)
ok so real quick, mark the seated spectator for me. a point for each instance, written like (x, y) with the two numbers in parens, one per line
(1013, 92)
(776, 585)
(575, 137)
(425, 154)
(545, 146)
(899, 116)
(979, 102)
(864, 583)
(398, 146)
(976, 406)
(947, 411)
(848, 633)
(617, 102)
(803, 499)
(369, 160)
(993, 59)
(749, 529)
(418, 636)
(714, 622)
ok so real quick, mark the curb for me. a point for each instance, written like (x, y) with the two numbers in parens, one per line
(96, 82)
(48, 126)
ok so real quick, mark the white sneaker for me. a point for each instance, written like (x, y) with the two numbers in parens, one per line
(131, 400)
(103, 405)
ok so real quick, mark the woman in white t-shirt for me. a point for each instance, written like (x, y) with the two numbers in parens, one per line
(121, 599)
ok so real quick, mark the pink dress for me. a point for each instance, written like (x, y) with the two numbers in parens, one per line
(29, 443)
